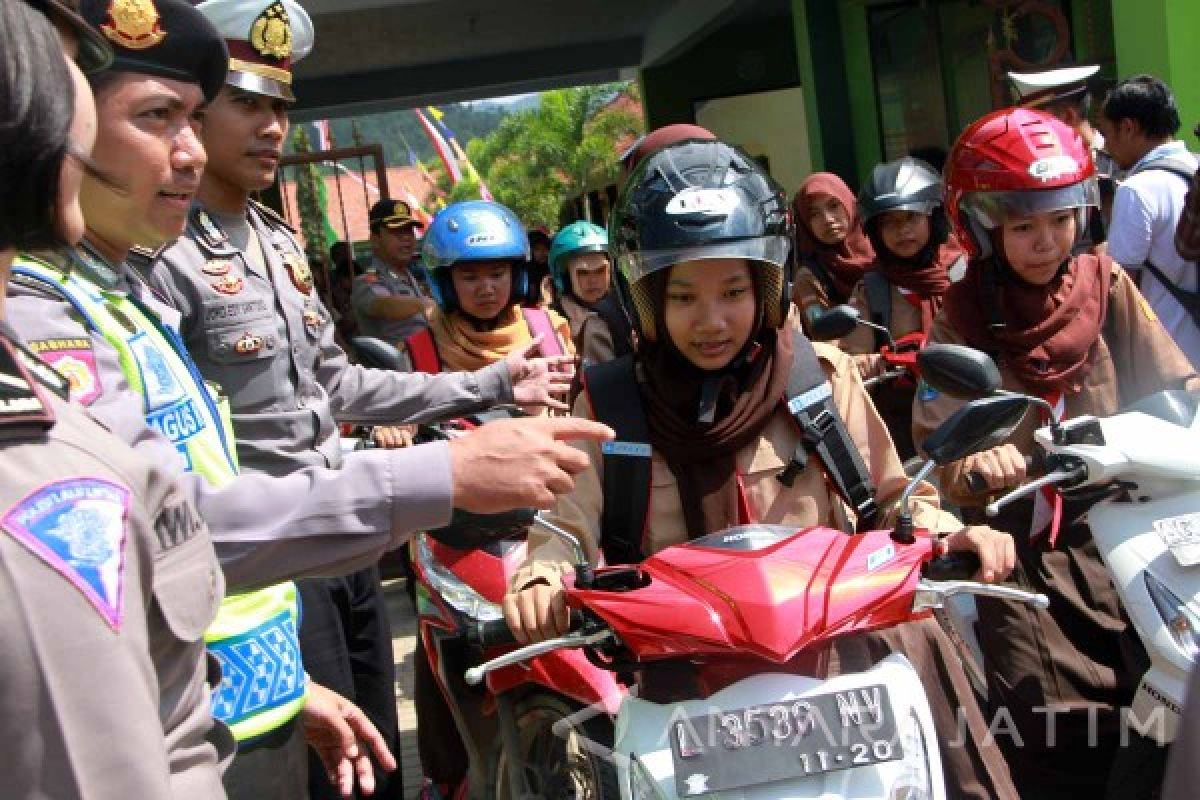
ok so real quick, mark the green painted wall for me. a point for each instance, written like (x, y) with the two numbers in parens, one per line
(1160, 37)
(820, 50)
(736, 59)
(860, 81)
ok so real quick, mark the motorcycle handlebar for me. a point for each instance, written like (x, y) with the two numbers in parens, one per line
(956, 566)
(977, 484)
(496, 633)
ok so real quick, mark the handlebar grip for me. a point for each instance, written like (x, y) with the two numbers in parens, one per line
(496, 633)
(976, 484)
(493, 633)
(956, 566)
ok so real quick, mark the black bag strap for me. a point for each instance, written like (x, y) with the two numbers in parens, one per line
(613, 393)
(614, 316)
(810, 402)
(879, 303)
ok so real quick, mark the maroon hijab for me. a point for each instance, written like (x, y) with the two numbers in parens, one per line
(845, 262)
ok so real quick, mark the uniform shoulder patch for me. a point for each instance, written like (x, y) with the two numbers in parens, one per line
(271, 216)
(74, 360)
(78, 527)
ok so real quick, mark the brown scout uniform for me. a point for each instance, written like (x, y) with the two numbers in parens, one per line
(975, 769)
(895, 405)
(593, 340)
(109, 580)
(1082, 655)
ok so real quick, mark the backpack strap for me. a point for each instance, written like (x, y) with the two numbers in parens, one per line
(614, 316)
(422, 349)
(613, 394)
(539, 324)
(1175, 166)
(879, 304)
(810, 402)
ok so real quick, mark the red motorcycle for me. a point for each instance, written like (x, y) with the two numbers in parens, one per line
(719, 636)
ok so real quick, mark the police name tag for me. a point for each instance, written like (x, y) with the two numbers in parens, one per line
(630, 449)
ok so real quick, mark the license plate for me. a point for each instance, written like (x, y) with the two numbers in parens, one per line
(781, 741)
(1182, 536)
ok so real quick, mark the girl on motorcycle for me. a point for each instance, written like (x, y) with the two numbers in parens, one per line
(475, 254)
(581, 275)
(1075, 331)
(701, 238)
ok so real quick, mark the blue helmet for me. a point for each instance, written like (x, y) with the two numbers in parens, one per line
(475, 230)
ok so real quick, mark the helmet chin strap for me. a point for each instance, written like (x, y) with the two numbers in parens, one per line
(715, 380)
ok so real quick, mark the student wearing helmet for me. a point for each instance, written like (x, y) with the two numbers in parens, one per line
(476, 257)
(916, 259)
(1075, 331)
(701, 239)
(582, 277)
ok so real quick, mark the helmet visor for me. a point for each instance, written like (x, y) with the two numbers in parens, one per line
(771, 249)
(992, 208)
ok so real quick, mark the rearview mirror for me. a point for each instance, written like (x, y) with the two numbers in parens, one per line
(834, 323)
(958, 370)
(979, 425)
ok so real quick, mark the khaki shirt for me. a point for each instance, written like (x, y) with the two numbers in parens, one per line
(1133, 358)
(261, 333)
(381, 281)
(810, 501)
(103, 691)
(592, 337)
(808, 291)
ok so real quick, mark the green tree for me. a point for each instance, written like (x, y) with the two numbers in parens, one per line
(539, 158)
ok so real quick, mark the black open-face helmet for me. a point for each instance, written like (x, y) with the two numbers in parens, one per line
(695, 200)
(906, 184)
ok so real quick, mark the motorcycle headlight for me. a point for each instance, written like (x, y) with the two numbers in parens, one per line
(458, 595)
(916, 779)
(642, 785)
(1181, 623)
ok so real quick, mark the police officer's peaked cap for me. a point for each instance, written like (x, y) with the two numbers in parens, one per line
(265, 38)
(165, 38)
(1037, 89)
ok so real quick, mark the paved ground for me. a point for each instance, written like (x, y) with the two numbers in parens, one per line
(404, 631)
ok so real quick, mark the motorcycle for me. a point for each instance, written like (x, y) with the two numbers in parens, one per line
(722, 700)
(1146, 526)
(899, 355)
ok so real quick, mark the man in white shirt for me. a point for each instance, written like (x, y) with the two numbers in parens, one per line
(1139, 121)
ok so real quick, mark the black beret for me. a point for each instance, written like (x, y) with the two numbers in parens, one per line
(94, 51)
(165, 38)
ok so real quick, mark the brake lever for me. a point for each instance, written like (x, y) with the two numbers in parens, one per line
(891, 374)
(475, 675)
(1058, 476)
(933, 594)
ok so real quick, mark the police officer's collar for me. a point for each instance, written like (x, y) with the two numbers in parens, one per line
(209, 234)
(96, 268)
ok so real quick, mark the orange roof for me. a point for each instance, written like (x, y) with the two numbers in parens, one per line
(348, 208)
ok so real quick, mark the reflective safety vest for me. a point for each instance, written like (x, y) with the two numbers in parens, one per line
(254, 636)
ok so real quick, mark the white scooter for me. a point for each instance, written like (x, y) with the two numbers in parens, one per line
(1147, 531)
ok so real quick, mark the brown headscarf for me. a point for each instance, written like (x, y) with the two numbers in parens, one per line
(1049, 331)
(703, 457)
(846, 262)
(928, 280)
(463, 348)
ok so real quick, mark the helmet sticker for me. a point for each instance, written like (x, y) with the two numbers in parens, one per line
(1047, 169)
(711, 202)
(482, 238)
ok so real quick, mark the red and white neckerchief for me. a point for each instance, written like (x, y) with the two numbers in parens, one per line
(1047, 503)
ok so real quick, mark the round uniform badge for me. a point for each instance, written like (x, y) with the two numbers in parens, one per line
(312, 320)
(229, 284)
(299, 272)
(248, 344)
(217, 267)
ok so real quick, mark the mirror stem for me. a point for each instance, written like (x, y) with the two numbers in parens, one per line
(903, 532)
(1055, 427)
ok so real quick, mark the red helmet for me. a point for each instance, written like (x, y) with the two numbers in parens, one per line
(1015, 161)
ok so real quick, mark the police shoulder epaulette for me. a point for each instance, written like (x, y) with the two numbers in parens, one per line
(33, 285)
(142, 258)
(208, 234)
(271, 216)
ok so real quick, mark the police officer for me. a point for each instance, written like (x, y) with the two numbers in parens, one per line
(254, 324)
(388, 301)
(102, 672)
(93, 318)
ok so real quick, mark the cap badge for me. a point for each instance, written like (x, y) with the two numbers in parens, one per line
(271, 34)
(133, 24)
(299, 272)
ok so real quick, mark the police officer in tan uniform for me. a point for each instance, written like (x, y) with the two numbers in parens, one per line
(388, 301)
(254, 325)
(107, 571)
